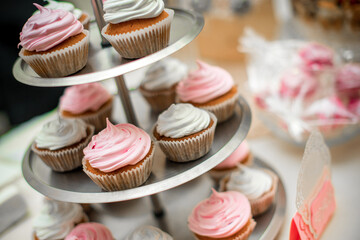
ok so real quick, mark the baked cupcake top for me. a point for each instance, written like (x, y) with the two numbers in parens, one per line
(48, 28)
(90, 231)
(67, 6)
(78, 99)
(117, 146)
(57, 219)
(204, 84)
(61, 133)
(117, 11)
(181, 120)
(240, 154)
(164, 74)
(221, 215)
(148, 233)
(253, 183)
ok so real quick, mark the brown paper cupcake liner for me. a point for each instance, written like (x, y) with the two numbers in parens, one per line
(142, 42)
(65, 159)
(97, 119)
(260, 205)
(191, 148)
(243, 234)
(159, 100)
(62, 62)
(123, 180)
(219, 174)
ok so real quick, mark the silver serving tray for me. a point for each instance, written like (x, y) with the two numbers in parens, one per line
(105, 63)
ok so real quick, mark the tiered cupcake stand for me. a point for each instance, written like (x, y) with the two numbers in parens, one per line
(122, 211)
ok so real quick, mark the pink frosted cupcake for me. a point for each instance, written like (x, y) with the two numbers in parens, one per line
(90, 102)
(211, 88)
(54, 43)
(90, 231)
(137, 28)
(225, 215)
(119, 157)
(241, 155)
(258, 185)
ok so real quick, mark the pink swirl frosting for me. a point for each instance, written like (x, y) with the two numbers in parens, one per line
(239, 155)
(90, 231)
(81, 98)
(117, 146)
(222, 215)
(48, 28)
(204, 84)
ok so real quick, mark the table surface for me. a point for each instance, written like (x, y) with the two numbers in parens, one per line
(284, 157)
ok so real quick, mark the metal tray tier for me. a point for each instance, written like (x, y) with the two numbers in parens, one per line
(76, 186)
(104, 62)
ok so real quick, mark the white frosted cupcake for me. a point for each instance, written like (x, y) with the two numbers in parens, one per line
(137, 28)
(159, 84)
(185, 132)
(258, 185)
(56, 219)
(60, 143)
(149, 233)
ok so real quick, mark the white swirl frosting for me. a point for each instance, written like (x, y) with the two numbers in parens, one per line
(181, 120)
(253, 183)
(149, 233)
(57, 219)
(164, 74)
(61, 133)
(117, 11)
(67, 6)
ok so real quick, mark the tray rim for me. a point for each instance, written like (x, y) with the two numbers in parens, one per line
(128, 65)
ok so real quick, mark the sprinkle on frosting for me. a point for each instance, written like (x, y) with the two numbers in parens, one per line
(57, 219)
(249, 181)
(181, 120)
(90, 231)
(121, 11)
(149, 233)
(48, 28)
(85, 97)
(239, 155)
(222, 215)
(204, 84)
(117, 146)
(164, 74)
(61, 133)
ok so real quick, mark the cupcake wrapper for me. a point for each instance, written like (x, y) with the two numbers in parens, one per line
(191, 148)
(123, 180)
(67, 159)
(142, 42)
(97, 119)
(60, 63)
(260, 205)
(160, 100)
(223, 111)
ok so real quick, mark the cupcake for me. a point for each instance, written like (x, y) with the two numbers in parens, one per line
(90, 231)
(60, 143)
(258, 185)
(54, 43)
(184, 132)
(148, 233)
(137, 28)
(241, 155)
(90, 102)
(80, 15)
(57, 219)
(119, 157)
(210, 88)
(158, 86)
(224, 215)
